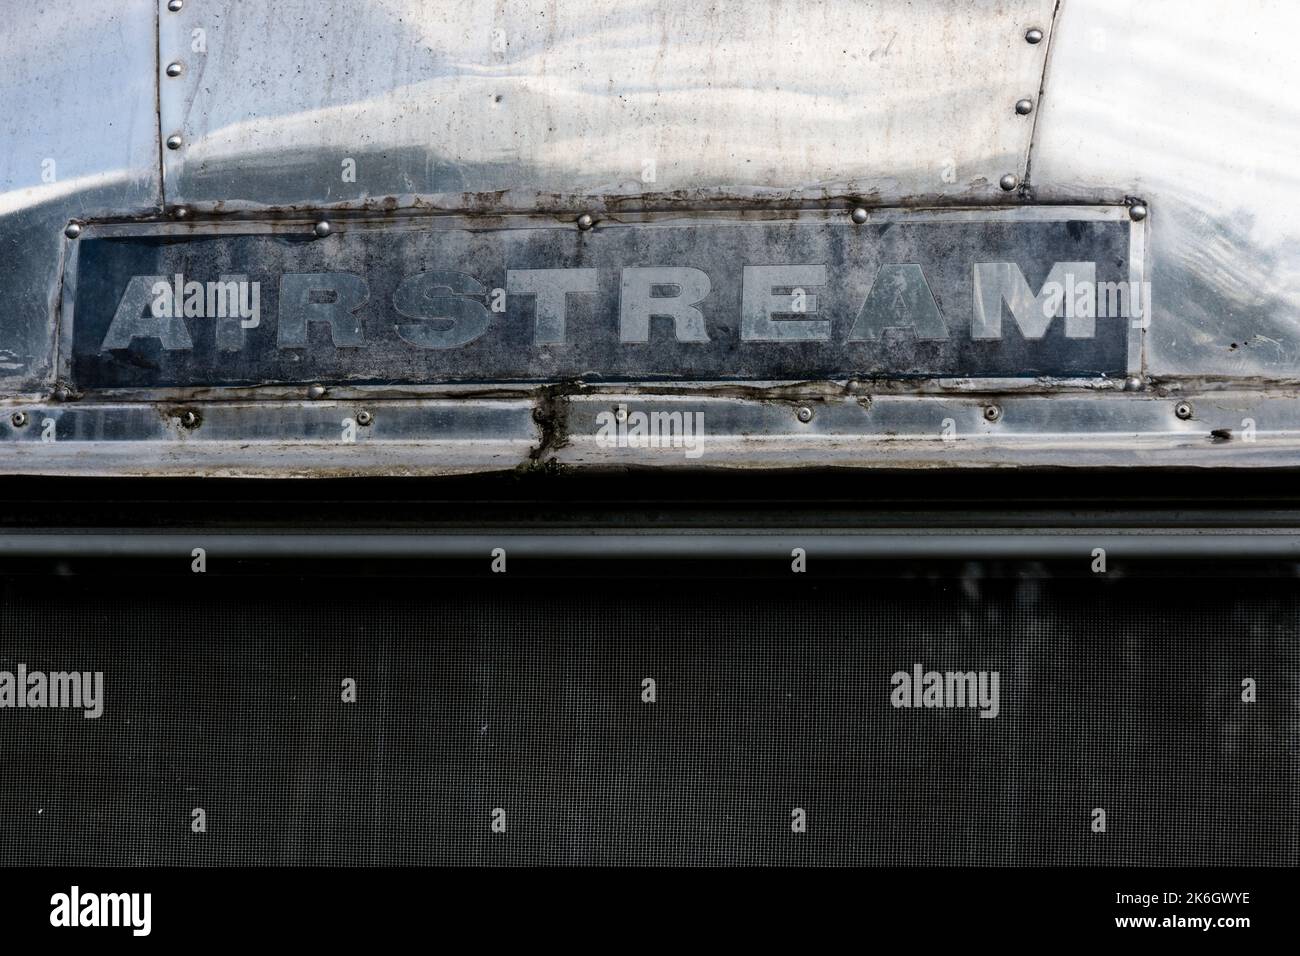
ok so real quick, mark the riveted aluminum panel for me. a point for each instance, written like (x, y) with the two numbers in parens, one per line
(524, 104)
(78, 139)
(731, 427)
(283, 440)
(624, 109)
(1191, 106)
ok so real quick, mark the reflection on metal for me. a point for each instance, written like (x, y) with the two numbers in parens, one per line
(75, 144)
(516, 105)
(305, 111)
(1187, 105)
(826, 425)
(599, 542)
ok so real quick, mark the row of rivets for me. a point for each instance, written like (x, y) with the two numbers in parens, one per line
(992, 412)
(174, 69)
(1023, 108)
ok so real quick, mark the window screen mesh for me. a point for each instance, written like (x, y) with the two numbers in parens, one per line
(528, 697)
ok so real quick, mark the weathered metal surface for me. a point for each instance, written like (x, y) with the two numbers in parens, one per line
(297, 108)
(855, 429)
(1188, 105)
(731, 427)
(518, 104)
(1006, 293)
(286, 440)
(78, 139)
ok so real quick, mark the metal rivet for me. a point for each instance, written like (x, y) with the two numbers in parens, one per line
(804, 414)
(181, 212)
(62, 393)
(174, 141)
(620, 414)
(1137, 212)
(585, 221)
(189, 420)
(72, 230)
(322, 229)
(1034, 35)
(1024, 107)
(1009, 182)
(174, 69)
(364, 418)
(315, 391)
(1133, 384)
(175, 5)
(19, 419)
(1183, 410)
(859, 215)
(992, 413)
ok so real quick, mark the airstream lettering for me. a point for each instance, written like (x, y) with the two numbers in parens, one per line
(447, 309)
(444, 300)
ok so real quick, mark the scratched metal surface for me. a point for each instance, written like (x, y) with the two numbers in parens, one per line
(78, 139)
(526, 104)
(1189, 105)
(567, 107)
(665, 299)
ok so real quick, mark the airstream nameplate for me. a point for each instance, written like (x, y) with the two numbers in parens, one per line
(675, 299)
